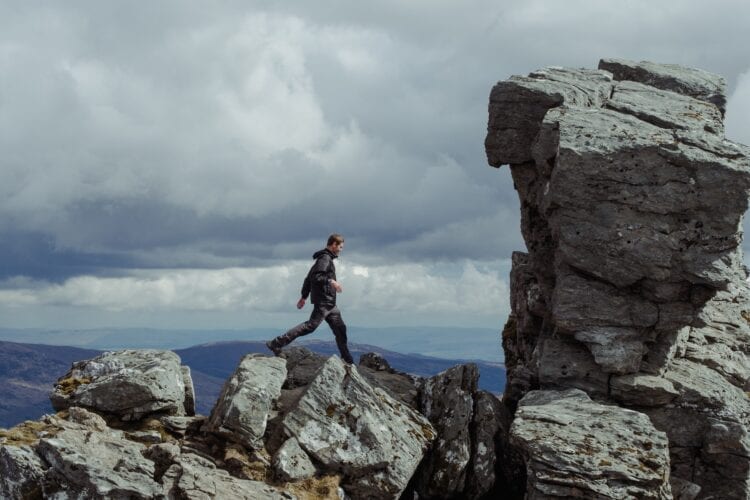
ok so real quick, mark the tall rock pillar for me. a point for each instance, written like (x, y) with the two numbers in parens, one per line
(633, 287)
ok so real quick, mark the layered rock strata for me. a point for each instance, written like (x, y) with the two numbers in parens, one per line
(576, 447)
(633, 288)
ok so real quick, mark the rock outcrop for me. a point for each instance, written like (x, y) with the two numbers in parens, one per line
(633, 288)
(241, 413)
(299, 426)
(347, 425)
(128, 384)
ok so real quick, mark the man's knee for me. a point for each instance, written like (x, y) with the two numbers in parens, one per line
(312, 324)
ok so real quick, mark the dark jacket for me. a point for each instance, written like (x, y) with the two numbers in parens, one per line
(318, 280)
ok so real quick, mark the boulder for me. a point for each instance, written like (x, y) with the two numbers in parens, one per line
(402, 386)
(129, 384)
(92, 463)
(291, 463)
(347, 425)
(242, 410)
(447, 400)
(302, 364)
(575, 447)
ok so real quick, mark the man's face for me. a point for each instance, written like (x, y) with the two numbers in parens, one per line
(336, 247)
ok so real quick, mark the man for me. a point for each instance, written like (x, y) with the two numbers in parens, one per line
(322, 286)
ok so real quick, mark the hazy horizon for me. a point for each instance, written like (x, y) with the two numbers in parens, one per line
(435, 341)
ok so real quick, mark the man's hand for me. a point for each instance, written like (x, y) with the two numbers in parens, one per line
(301, 303)
(337, 286)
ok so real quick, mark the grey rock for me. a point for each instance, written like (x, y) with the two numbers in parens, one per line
(579, 303)
(189, 391)
(578, 448)
(291, 463)
(242, 410)
(665, 109)
(642, 390)
(349, 426)
(182, 426)
(633, 288)
(163, 455)
(194, 478)
(378, 372)
(683, 489)
(564, 362)
(623, 223)
(21, 472)
(487, 425)
(129, 384)
(98, 464)
(615, 349)
(447, 401)
(302, 365)
(691, 82)
(518, 105)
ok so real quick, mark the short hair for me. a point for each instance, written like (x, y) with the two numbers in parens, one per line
(335, 238)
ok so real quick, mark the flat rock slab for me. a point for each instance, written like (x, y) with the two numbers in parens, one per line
(349, 426)
(576, 447)
(128, 383)
(692, 82)
(242, 410)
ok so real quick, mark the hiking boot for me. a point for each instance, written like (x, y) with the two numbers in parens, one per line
(272, 346)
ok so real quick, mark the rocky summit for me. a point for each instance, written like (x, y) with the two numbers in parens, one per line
(626, 348)
(629, 330)
(298, 426)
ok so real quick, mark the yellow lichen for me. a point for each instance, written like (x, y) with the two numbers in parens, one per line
(320, 488)
(68, 385)
(26, 433)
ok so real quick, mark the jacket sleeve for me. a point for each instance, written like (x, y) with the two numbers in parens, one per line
(319, 271)
(306, 287)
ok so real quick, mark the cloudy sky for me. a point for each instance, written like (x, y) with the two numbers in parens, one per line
(176, 164)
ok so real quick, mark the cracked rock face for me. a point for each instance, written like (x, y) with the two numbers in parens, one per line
(241, 413)
(349, 426)
(129, 384)
(633, 288)
(447, 401)
(575, 447)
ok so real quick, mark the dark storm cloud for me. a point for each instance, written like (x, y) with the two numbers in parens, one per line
(176, 135)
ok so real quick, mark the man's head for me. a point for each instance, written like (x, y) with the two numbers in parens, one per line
(335, 243)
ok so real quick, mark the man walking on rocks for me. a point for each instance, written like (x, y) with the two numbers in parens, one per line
(322, 287)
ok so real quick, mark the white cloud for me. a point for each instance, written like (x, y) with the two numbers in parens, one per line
(466, 288)
(738, 111)
(292, 118)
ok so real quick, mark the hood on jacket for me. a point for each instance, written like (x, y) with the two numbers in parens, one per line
(321, 252)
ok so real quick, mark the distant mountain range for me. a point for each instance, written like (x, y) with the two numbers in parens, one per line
(438, 342)
(29, 371)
